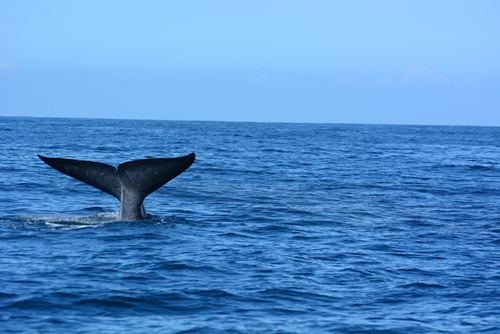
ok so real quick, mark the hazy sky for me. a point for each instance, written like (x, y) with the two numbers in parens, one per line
(373, 61)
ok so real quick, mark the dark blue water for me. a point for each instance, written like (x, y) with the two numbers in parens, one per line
(275, 228)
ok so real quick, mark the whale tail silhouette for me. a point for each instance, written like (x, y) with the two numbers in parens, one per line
(130, 183)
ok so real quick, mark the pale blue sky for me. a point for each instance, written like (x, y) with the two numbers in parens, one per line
(383, 62)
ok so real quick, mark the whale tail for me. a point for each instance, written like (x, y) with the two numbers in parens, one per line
(130, 183)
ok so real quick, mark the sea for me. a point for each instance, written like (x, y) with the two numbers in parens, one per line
(275, 228)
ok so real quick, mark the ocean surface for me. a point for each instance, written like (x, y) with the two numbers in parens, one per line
(275, 228)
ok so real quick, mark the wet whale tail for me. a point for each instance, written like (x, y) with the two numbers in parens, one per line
(131, 182)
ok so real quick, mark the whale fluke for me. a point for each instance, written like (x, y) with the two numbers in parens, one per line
(130, 183)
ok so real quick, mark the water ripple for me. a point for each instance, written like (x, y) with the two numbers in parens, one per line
(276, 228)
